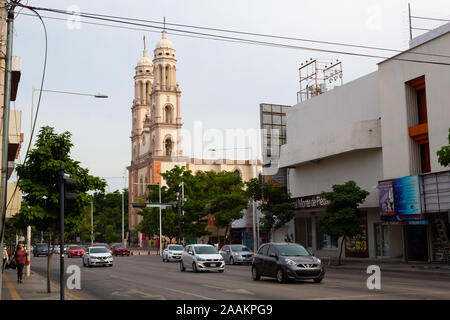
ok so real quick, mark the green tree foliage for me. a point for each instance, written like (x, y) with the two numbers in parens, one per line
(444, 153)
(39, 183)
(274, 202)
(342, 217)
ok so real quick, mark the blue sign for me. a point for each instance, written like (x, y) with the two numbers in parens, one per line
(407, 195)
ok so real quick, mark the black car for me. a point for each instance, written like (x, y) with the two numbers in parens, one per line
(286, 261)
(40, 249)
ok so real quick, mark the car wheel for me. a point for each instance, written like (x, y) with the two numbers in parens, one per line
(319, 280)
(255, 274)
(182, 268)
(221, 270)
(281, 278)
(163, 259)
(194, 267)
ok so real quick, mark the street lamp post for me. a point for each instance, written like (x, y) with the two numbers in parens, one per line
(255, 222)
(160, 220)
(92, 221)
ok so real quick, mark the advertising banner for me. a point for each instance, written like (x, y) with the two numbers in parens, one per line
(386, 197)
(407, 195)
(357, 247)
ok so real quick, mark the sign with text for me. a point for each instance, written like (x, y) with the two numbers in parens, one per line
(356, 246)
(310, 202)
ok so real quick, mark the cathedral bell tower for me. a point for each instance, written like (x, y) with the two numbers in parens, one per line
(143, 81)
(165, 120)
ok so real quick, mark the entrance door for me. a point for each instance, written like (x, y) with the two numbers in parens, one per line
(381, 240)
(416, 243)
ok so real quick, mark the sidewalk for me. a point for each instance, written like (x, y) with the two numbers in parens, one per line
(390, 266)
(32, 288)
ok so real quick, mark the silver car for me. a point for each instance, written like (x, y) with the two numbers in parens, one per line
(201, 257)
(236, 253)
(172, 252)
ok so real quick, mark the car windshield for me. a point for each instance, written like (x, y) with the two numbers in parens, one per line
(102, 246)
(75, 248)
(42, 245)
(292, 250)
(205, 250)
(239, 248)
(175, 248)
(99, 250)
(120, 246)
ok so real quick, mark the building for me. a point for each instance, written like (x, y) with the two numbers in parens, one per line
(15, 116)
(382, 131)
(332, 138)
(415, 119)
(156, 130)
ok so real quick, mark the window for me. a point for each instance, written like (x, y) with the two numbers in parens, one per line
(237, 172)
(168, 114)
(168, 146)
(325, 241)
(263, 250)
(224, 248)
(272, 250)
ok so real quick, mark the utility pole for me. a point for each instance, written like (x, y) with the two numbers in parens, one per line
(6, 103)
(160, 223)
(61, 231)
(123, 217)
(92, 222)
(409, 16)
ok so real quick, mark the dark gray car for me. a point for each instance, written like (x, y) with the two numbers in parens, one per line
(236, 253)
(41, 249)
(286, 261)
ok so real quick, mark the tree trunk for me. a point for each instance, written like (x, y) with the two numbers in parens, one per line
(49, 258)
(340, 252)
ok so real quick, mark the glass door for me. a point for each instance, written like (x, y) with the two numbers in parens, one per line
(381, 240)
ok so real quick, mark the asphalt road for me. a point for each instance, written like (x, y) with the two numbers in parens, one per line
(147, 277)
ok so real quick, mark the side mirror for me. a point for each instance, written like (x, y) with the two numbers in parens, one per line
(273, 255)
(191, 253)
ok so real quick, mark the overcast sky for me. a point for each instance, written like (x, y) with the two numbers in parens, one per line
(222, 83)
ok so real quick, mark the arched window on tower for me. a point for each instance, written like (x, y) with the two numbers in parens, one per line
(168, 146)
(147, 92)
(168, 114)
(160, 75)
(167, 77)
(141, 187)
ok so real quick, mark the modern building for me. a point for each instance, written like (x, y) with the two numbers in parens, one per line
(156, 130)
(382, 131)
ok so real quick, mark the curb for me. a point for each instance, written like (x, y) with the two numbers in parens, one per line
(411, 269)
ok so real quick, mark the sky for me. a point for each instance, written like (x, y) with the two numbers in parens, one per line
(222, 83)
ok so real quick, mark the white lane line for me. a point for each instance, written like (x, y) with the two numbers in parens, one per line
(366, 295)
(191, 294)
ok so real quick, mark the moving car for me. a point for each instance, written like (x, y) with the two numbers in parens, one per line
(97, 256)
(286, 261)
(236, 253)
(119, 249)
(172, 252)
(103, 245)
(201, 257)
(75, 251)
(41, 249)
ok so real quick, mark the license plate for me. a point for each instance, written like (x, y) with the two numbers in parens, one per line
(212, 264)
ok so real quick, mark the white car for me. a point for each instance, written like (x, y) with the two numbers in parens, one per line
(172, 252)
(97, 256)
(201, 257)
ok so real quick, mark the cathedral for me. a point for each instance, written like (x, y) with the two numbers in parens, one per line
(156, 131)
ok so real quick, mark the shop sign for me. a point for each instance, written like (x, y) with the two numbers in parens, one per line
(356, 247)
(310, 202)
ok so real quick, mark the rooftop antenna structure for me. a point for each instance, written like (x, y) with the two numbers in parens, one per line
(144, 42)
(318, 76)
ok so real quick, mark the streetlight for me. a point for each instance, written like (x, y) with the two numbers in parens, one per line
(160, 221)
(98, 95)
(255, 222)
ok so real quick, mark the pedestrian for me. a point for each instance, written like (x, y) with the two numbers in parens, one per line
(5, 258)
(20, 257)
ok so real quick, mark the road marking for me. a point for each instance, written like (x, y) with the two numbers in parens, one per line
(143, 294)
(242, 291)
(67, 291)
(12, 290)
(190, 294)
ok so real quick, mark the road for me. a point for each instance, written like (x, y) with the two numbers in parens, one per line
(147, 277)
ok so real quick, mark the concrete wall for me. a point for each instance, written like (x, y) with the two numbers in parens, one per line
(392, 75)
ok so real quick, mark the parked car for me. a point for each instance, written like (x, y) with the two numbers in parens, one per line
(201, 257)
(286, 261)
(85, 247)
(172, 252)
(236, 253)
(40, 249)
(103, 245)
(97, 256)
(120, 249)
(75, 251)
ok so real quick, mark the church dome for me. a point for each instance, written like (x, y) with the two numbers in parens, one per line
(164, 43)
(145, 60)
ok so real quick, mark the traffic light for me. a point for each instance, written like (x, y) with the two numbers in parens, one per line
(69, 185)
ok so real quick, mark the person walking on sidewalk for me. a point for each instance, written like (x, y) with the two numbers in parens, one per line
(5, 258)
(20, 257)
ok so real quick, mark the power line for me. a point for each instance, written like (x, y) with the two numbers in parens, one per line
(248, 41)
(243, 32)
(434, 19)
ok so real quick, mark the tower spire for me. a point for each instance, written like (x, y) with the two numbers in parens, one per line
(144, 42)
(164, 23)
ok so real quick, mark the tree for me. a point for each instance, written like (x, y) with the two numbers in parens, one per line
(342, 217)
(444, 153)
(39, 183)
(274, 202)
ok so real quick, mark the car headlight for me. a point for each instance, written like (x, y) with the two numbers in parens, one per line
(318, 261)
(290, 262)
(236, 254)
(220, 259)
(201, 259)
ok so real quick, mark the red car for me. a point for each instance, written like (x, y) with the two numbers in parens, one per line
(75, 251)
(120, 249)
